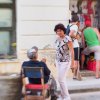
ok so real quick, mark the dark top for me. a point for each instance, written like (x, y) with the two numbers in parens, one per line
(39, 64)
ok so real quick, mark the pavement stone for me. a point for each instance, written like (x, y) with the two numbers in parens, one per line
(86, 96)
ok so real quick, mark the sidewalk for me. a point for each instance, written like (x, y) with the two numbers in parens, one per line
(86, 96)
(86, 85)
(88, 88)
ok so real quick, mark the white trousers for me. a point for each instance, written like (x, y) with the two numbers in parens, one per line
(62, 70)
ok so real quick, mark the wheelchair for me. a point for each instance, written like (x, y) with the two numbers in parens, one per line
(38, 91)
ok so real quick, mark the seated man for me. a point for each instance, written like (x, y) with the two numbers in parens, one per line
(33, 62)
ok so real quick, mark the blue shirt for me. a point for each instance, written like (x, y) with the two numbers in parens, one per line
(39, 64)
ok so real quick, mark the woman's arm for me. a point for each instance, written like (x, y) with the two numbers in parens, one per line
(70, 45)
(24, 79)
(46, 69)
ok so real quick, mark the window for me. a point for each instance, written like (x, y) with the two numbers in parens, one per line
(7, 29)
(6, 1)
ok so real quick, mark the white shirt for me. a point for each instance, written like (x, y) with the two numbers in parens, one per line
(75, 41)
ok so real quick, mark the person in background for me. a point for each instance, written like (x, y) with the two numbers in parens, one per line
(64, 58)
(75, 36)
(81, 42)
(92, 39)
(82, 56)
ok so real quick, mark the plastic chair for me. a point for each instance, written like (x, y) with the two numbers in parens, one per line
(35, 72)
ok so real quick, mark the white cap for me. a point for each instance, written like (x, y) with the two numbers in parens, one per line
(31, 53)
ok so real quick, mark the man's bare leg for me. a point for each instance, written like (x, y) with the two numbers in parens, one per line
(82, 61)
(97, 68)
(76, 72)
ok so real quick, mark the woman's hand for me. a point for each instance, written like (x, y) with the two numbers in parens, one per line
(43, 60)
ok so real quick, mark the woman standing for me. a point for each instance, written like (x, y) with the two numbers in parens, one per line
(64, 58)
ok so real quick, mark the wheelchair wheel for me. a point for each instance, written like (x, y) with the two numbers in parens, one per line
(53, 95)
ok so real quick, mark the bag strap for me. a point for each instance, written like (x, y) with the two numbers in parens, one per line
(71, 25)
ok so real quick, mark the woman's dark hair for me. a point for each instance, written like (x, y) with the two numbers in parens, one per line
(75, 18)
(61, 27)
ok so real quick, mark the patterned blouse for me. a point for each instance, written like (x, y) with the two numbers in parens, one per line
(62, 49)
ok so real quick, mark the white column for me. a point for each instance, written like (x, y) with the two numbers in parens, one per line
(36, 20)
